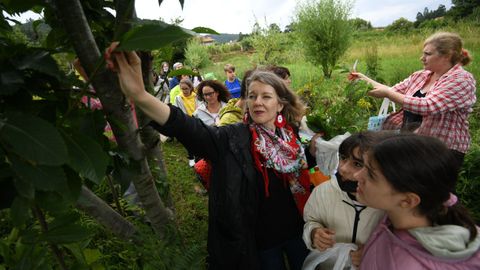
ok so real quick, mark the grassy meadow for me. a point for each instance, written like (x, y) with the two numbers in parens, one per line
(398, 57)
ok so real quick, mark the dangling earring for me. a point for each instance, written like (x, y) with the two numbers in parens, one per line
(280, 121)
(245, 117)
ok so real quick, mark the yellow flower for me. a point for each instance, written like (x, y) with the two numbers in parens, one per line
(364, 104)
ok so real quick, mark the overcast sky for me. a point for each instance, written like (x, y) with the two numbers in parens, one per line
(234, 16)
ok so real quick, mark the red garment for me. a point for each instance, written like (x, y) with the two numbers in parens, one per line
(444, 109)
(298, 181)
(204, 169)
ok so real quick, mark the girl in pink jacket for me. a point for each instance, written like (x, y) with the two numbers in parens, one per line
(411, 178)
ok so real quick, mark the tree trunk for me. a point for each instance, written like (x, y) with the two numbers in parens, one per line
(149, 136)
(115, 107)
(95, 207)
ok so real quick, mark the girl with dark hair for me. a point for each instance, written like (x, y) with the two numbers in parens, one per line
(213, 96)
(412, 178)
(332, 213)
(281, 72)
(259, 183)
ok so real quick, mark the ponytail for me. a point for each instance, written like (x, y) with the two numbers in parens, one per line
(465, 57)
(457, 215)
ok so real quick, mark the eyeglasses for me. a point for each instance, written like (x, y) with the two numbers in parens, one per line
(209, 94)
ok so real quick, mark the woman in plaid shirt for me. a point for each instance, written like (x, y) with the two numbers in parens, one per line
(437, 100)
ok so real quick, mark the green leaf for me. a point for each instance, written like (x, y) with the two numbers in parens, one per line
(86, 156)
(66, 234)
(74, 183)
(92, 255)
(52, 202)
(24, 188)
(46, 178)
(181, 2)
(40, 61)
(151, 36)
(34, 139)
(14, 6)
(20, 211)
(63, 220)
(204, 30)
(77, 251)
(10, 81)
(4, 25)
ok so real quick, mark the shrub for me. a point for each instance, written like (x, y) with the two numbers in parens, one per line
(325, 31)
(401, 25)
(269, 44)
(373, 62)
(433, 24)
(196, 54)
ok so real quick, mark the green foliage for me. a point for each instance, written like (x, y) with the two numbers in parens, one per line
(428, 15)
(163, 54)
(401, 25)
(360, 24)
(33, 139)
(325, 31)
(205, 30)
(337, 109)
(469, 182)
(373, 62)
(433, 24)
(196, 54)
(462, 9)
(146, 37)
(269, 43)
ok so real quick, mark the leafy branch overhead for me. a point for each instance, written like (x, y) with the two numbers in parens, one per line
(155, 36)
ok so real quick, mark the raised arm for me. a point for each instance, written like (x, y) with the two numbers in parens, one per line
(379, 90)
(127, 65)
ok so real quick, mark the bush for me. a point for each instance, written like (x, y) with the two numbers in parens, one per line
(269, 44)
(373, 62)
(196, 54)
(401, 25)
(325, 31)
(433, 24)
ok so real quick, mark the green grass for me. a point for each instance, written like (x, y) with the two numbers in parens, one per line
(191, 207)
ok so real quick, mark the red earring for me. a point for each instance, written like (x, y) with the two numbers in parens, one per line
(280, 121)
(245, 117)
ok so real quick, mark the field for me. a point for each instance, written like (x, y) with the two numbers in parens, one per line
(398, 56)
(334, 106)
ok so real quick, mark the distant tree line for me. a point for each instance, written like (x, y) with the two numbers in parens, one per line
(430, 14)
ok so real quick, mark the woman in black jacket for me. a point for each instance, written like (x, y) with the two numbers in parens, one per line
(259, 181)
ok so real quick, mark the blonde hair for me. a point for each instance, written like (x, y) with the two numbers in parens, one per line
(447, 43)
(229, 67)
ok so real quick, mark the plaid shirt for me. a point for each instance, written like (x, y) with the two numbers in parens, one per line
(444, 109)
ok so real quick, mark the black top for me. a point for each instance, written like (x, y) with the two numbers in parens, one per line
(412, 120)
(279, 219)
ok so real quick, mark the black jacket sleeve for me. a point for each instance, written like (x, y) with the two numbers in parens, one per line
(201, 140)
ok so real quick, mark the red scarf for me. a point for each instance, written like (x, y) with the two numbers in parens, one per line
(285, 156)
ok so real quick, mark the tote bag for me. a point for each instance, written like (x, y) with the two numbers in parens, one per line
(375, 122)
